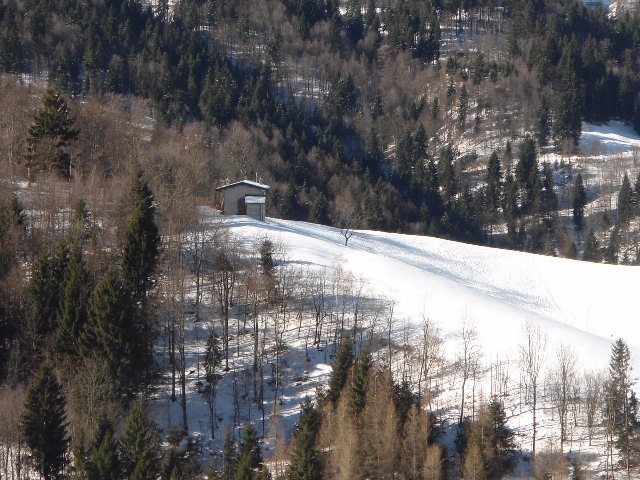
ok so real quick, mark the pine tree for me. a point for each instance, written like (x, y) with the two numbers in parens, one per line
(72, 315)
(591, 249)
(619, 408)
(45, 288)
(341, 367)
(549, 204)
(494, 185)
(229, 455)
(528, 176)
(249, 457)
(139, 448)
(510, 201)
(44, 425)
(103, 463)
(625, 202)
(463, 107)
(141, 240)
(139, 257)
(579, 201)
(305, 463)
(360, 374)
(107, 332)
(543, 125)
(496, 438)
(50, 136)
(446, 173)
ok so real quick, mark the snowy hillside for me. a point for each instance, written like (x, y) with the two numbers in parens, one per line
(581, 305)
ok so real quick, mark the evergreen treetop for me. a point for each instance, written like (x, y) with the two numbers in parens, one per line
(50, 136)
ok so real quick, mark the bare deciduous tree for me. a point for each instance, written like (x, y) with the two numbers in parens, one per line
(593, 386)
(469, 357)
(532, 353)
(562, 379)
(431, 355)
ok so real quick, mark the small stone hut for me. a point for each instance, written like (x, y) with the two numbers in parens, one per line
(245, 198)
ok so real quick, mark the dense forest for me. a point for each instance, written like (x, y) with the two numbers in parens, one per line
(378, 115)
(413, 116)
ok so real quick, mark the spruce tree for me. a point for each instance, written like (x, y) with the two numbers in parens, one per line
(528, 176)
(45, 288)
(72, 315)
(249, 456)
(619, 415)
(44, 425)
(341, 367)
(625, 202)
(141, 240)
(543, 124)
(494, 185)
(50, 136)
(579, 201)
(305, 463)
(103, 463)
(360, 375)
(107, 332)
(549, 204)
(446, 174)
(139, 449)
(139, 257)
(591, 249)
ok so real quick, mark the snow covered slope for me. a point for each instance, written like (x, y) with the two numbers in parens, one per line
(585, 305)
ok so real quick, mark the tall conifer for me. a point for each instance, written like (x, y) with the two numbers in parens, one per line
(305, 464)
(44, 425)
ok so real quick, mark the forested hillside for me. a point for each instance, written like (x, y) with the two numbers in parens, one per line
(119, 117)
(384, 114)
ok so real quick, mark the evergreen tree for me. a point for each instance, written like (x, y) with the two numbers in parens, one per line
(613, 247)
(568, 119)
(341, 367)
(141, 240)
(353, 22)
(305, 463)
(591, 250)
(619, 411)
(50, 136)
(579, 201)
(107, 332)
(528, 176)
(249, 457)
(139, 449)
(510, 201)
(497, 439)
(549, 204)
(360, 374)
(494, 185)
(72, 315)
(625, 202)
(44, 425)
(446, 174)
(139, 257)
(543, 126)
(103, 463)
(229, 456)
(45, 288)
(463, 107)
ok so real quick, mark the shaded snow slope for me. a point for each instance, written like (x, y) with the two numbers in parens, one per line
(611, 137)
